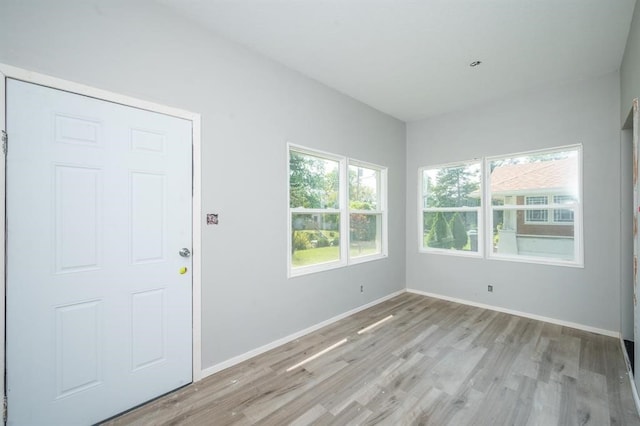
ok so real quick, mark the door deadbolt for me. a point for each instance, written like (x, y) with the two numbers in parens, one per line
(184, 252)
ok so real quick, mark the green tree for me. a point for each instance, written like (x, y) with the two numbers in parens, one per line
(313, 184)
(310, 187)
(440, 233)
(306, 181)
(458, 232)
(361, 196)
(453, 188)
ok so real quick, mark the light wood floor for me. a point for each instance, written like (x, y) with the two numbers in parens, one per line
(434, 362)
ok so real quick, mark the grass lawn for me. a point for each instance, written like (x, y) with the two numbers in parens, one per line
(315, 255)
(328, 254)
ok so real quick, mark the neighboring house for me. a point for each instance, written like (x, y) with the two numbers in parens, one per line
(547, 231)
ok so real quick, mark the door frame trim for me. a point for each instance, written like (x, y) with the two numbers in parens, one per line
(8, 71)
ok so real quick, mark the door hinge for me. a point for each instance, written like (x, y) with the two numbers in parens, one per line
(4, 409)
(5, 139)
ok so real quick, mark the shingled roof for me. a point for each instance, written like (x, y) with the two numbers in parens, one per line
(544, 176)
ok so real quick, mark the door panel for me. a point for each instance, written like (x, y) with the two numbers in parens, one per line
(77, 207)
(98, 206)
(148, 239)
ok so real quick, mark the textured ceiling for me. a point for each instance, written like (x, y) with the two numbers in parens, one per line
(411, 58)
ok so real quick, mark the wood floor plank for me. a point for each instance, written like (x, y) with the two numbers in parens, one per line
(353, 414)
(309, 416)
(494, 367)
(526, 400)
(568, 402)
(592, 354)
(593, 406)
(498, 404)
(451, 371)
(434, 363)
(546, 404)
(282, 392)
(463, 410)
(566, 358)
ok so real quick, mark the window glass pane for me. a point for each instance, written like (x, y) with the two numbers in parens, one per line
(512, 235)
(313, 181)
(457, 186)
(315, 238)
(536, 215)
(514, 178)
(450, 230)
(363, 188)
(563, 215)
(536, 200)
(365, 232)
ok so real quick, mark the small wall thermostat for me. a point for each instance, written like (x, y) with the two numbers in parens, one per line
(212, 218)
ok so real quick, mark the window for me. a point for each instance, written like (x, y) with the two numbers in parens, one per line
(334, 203)
(532, 210)
(535, 208)
(536, 215)
(563, 215)
(551, 216)
(451, 209)
(365, 211)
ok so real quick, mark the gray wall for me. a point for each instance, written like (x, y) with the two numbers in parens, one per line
(586, 112)
(630, 68)
(250, 108)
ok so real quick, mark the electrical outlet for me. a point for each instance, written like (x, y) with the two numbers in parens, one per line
(361, 289)
(490, 288)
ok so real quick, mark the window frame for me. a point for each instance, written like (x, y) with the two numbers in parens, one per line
(343, 211)
(486, 211)
(380, 211)
(422, 248)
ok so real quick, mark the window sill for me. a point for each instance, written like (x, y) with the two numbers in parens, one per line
(457, 253)
(538, 260)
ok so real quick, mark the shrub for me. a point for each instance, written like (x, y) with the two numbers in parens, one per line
(322, 242)
(301, 241)
(440, 233)
(458, 232)
(361, 227)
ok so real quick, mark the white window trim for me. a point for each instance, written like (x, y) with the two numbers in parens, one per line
(381, 210)
(421, 210)
(344, 212)
(485, 213)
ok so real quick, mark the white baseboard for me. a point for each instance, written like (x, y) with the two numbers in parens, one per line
(257, 351)
(520, 314)
(632, 382)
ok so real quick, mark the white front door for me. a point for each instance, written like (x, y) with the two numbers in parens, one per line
(98, 297)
